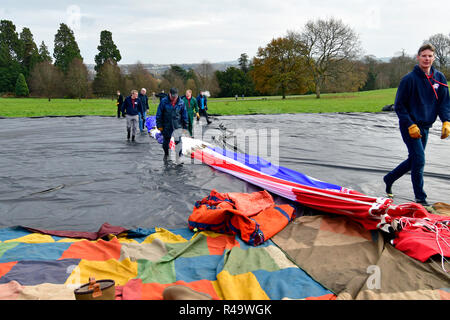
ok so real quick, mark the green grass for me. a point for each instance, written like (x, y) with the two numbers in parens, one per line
(368, 101)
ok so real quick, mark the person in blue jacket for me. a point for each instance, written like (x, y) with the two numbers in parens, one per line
(144, 101)
(422, 96)
(202, 102)
(171, 119)
(132, 107)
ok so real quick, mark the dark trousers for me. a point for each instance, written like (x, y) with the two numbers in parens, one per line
(165, 144)
(415, 162)
(119, 110)
(166, 141)
(202, 112)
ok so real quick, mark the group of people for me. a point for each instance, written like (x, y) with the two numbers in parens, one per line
(422, 96)
(134, 108)
(173, 115)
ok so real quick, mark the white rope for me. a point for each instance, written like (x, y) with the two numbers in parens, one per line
(435, 228)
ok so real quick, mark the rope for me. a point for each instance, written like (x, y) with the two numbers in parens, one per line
(434, 227)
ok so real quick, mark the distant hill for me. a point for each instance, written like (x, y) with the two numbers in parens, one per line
(385, 59)
(159, 69)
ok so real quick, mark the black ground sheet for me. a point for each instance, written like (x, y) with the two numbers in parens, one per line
(76, 173)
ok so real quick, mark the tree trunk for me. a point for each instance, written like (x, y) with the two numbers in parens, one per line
(317, 85)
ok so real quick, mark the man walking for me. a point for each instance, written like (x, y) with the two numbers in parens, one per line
(171, 118)
(191, 107)
(161, 95)
(119, 103)
(132, 106)
(422, 96)
(144, 102)
(202, 102)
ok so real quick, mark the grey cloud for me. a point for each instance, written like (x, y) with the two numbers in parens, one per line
(154, 31)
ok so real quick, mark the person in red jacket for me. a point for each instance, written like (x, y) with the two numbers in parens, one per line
(422, 96)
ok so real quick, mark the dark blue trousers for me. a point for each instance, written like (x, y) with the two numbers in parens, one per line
(166, 141)
(415, 162)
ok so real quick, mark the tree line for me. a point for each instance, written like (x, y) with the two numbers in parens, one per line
(324, 57)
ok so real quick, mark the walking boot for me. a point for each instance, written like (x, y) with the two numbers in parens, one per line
(389, 192)
(128, 134)
(178, 154)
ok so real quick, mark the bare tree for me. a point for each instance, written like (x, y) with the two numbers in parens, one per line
(141, 78)
(46, 80)
(399, 66)
(207, 78)
(77, 83)
(442, 44)
(190, 84)
(327, 44)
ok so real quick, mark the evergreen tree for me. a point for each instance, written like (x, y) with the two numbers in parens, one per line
(30, 52)
(107, 80)
(10, 39)
(243, 62)
(66, 48)
(107, 50)
(10, 55)
(234, 81)
(21, 86)
(44, 54)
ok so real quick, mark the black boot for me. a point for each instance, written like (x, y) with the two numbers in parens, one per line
(132, 138)
(389, 192)
(128, 134)
(423, 202)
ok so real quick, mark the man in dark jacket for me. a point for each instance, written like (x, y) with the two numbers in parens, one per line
(144, 102)
(171, 119)
(132, 107)
(119, 103)
(161, 95)
(422, 96)
(202, 103)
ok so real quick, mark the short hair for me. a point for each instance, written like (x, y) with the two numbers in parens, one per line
(134, 91)
(189, 90)
(426, 46)
(143, 89)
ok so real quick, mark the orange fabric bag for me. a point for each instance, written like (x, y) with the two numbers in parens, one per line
(253, 217)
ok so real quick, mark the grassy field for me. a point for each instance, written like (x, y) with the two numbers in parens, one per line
(369, 101)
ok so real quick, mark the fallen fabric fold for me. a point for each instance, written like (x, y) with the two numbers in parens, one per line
(355, 263)
(253, 217)
(104, 230)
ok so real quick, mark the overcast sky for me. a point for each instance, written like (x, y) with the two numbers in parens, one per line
(189, 31)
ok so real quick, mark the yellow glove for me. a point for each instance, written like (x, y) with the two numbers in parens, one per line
(414, 132)
(445, 130)
(198, 116)
(160, 129)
